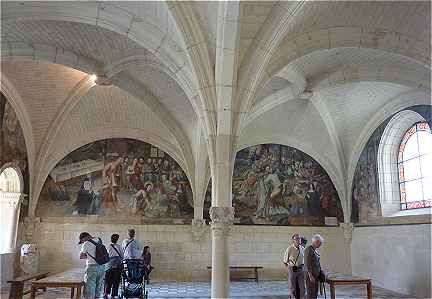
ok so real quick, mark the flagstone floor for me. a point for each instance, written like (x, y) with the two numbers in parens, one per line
(261, 290)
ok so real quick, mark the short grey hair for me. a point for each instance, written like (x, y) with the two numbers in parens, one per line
(317, 237)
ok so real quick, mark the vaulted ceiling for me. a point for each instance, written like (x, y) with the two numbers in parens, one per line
(312, 74)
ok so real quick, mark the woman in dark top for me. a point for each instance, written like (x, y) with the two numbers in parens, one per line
(146, 256)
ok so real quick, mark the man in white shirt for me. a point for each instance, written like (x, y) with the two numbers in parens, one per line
(132, 249)
(293, 260)
(114, 269)
(94, 273)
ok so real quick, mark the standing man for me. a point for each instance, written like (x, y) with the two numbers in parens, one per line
(114, 269)
(293, 260)
(132, 249)
(94, 273)
(313, 267)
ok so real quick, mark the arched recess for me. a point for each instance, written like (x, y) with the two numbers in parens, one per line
(120, 178)
(53, 157)
(388, 173)
(275, 184)
(402, 101)
(334, 174)
(11, 195)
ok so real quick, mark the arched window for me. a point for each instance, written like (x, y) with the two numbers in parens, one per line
(10, 200)
(415, 167)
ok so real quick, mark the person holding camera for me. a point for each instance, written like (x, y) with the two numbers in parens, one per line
(293, 260)
(313, 267)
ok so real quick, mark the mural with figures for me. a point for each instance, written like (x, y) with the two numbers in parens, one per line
(365, 188)
(280, 185)
(12, 144)
(118, 177)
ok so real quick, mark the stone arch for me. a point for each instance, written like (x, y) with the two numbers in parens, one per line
(11, 172)
(402, 101)
(332, 171)
(100, 134)
(80, 165)
(290, 190)
(11, 194)
(388, 174)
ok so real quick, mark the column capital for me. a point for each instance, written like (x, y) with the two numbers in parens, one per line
(347, 228)
(222, 219)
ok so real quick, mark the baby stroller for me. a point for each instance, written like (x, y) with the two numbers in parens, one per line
(133, 285)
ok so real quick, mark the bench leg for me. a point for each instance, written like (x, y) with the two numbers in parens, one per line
(369, 290)
(33, 292)
(16, 291)
(72, 292)
(256, 275)
(332, 291)
(78, 295)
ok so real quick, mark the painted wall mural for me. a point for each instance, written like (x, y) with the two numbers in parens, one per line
(121, 178)
(365, 189)
(280, 185)
(12, 144)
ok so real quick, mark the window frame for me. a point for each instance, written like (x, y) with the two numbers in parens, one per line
(407, 136)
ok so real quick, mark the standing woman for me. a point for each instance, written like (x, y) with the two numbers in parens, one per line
(146, 256)
(115, 267)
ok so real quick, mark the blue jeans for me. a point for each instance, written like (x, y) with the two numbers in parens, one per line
(94, 281)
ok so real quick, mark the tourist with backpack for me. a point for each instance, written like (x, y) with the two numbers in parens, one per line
(114, 268)
(132, 248)
(96, 256)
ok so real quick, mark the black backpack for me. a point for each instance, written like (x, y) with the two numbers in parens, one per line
(102, 256)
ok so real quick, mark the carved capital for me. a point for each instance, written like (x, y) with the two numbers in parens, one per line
(222, 219)
(198, 230)
(347, 228)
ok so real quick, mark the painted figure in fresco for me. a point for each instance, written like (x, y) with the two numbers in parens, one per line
(169, 189)
(146, 170)
(138, 167)
(312, 199)
(270, 196)
(125, 177)
(84, 198)
(111, 175)
(141, 199)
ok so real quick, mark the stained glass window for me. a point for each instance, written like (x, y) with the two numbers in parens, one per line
(415, 167)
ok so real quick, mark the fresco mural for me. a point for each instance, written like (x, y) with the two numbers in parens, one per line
(365, 189)
(12, 144)
(122, 178)
(280, 185)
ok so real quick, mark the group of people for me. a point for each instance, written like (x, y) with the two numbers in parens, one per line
(303, 267)
(104, 279)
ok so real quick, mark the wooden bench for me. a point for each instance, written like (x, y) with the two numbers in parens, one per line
(17, 288)
(254, 268)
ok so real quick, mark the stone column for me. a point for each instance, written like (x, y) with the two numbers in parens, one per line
(222, 219)
(347, 228)
(10, 207)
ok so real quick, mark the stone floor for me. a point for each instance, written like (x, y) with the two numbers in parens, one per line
(265, 289)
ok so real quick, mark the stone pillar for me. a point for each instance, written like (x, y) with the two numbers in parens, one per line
(10, 207)
(347, 228)
(222, 219)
